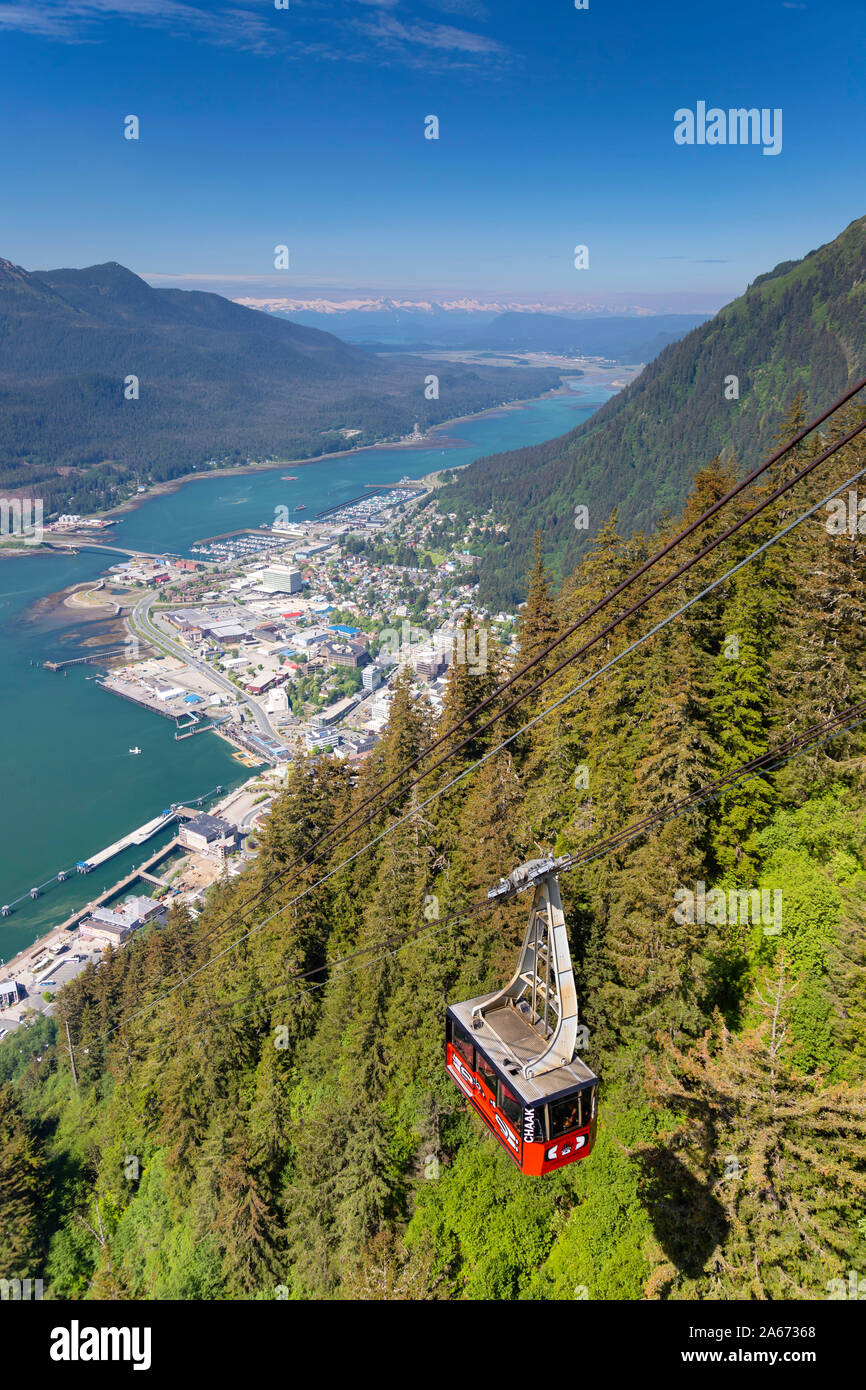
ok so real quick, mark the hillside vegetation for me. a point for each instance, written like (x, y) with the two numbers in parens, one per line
(279, 1123)
(802, 326)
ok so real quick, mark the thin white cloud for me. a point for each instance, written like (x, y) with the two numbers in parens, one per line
(78, 21)
(372, 33)
(468, 9)
(412, 38)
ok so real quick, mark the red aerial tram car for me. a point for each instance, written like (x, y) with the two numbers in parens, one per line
(512, 1053)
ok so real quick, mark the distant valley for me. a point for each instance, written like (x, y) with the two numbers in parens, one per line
(395, 325)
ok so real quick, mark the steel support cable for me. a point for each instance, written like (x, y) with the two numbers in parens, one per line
(663, 623)
(765, 762)
(591, 613)
(608, 598)
(227, 923)
(530, 724)
(849, 719)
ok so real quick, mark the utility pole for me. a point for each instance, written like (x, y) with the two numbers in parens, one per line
(71, 1058)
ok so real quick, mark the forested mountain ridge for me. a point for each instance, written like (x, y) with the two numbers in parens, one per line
(801, 325)
(280, 1119)
(214, 380)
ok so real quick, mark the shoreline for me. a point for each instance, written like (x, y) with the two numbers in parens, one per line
(99, 618)
(591, 376)
(588, 371)
(175, 484)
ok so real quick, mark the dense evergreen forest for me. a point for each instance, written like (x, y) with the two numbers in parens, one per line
(214, 381)
(262, 1108)
(799, 326)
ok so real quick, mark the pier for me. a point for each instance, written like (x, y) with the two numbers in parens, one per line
(154, 878)
(202, 728)
(372, 488)
(144, 832)
(136, 697)
(257, 531)
(135, 837)
(92, 657)
(415, 485)
(143, 871)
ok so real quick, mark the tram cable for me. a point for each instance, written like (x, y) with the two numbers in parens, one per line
(220, 929)
(499, 747)
(849, 719)
(540, 656)
(226, 924)
(603, 603)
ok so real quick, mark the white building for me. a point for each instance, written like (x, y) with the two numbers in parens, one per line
(282, 579)
(278, 701)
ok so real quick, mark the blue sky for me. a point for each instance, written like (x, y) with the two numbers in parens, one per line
(305, 126)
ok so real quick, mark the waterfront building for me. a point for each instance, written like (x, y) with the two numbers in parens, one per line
(112, 926)
(10, 993)
(210, 835)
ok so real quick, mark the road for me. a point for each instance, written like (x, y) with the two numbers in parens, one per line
(63, 970)
(246, 821)
(141, 621)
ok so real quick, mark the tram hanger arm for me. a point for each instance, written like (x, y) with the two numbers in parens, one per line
(527, 875)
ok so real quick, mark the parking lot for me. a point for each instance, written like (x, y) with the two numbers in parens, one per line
(63, 969)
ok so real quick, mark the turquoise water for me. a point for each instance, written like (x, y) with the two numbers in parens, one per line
(215, 505)
(70, 785)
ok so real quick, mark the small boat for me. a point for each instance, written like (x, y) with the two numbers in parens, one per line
(289, 478)
(135, 750)
(301, 507)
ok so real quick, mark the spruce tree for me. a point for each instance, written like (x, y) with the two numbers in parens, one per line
(757, 1191)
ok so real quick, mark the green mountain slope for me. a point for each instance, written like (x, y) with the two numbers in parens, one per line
(802, 325)
(216, 380)
(261, 1107)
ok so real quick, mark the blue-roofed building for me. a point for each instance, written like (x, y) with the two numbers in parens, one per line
(346, 631)
(193, 699)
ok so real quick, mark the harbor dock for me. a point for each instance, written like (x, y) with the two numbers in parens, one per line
(143, 871)
(183, 719)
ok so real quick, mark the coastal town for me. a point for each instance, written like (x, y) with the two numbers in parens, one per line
(284, 640)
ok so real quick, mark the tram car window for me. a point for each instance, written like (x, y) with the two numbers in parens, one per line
(486, 1073)
(510, 1107)
(464, 1046)
(565, 1116)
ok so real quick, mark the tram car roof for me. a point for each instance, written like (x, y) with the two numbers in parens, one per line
(514, 1044)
